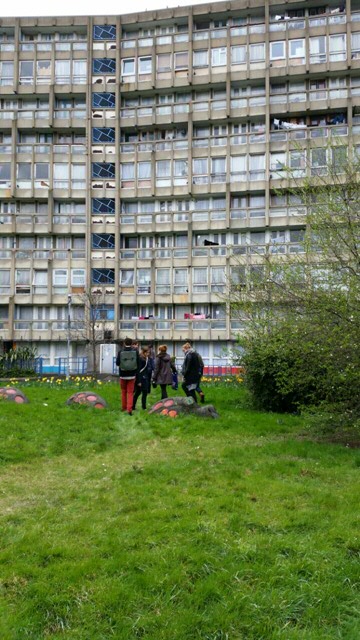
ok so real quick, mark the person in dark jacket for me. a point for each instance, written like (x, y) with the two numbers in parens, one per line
(201, 373)
(143, 382)
(163, 371)
(128, 361)
(190, 371)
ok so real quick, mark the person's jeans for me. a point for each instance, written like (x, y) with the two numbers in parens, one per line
(127, 394)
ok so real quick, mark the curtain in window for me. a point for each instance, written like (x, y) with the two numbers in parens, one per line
(337, 47)
(180, 276)
(200, 275)
(79, 72)
(4, 278)
(62, 71)
(127, 171)
(163, 276)
(144, 170)
(127, 277)
(257, 167)
(238, 55)
(257, 52)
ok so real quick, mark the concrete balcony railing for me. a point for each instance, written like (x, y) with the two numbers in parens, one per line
(153, 328)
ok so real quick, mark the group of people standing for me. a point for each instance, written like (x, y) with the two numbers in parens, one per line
(139, 370)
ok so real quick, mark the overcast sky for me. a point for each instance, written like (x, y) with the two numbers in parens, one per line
(84, 7)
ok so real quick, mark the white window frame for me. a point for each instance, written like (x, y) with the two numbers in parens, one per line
(123, 64)
(217, 55)
(277, 57)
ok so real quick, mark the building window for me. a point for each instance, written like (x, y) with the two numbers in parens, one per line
(23, 175)
(257, 52)
(277, 50)
(105, 135)
(217, 281)
(127, 278)
(200, 279)
(238, 55)
(60, 281)
(127, 172)
(237, 168)
(103, 100)
(143, 277)
(181, 59)
(61, 175)
(337, 47)
(62, 72)
(103, 170)
(200, 171)
(128, 67)
(163, 63)
(163, 173)
(43, 72)
(297, 49)
(104, 32)
(145, 65)
(218, 57)
(103, 276)
(163, 282)
(103, 241)
(201, 58)
(79, 72)
(77, 277)
(6, 73)
(26, 72)
(317, 49)
(218, 169)
(103, 205)
(41, 175)
(5, 175)
(180, 281)
(104, 66)
(180, 172)
(4, 281)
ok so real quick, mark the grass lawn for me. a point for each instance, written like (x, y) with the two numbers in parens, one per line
(145, 527)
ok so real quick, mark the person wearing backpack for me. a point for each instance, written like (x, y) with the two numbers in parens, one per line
(143, 382)
(128, 361)
(190, 371)
(163, 372)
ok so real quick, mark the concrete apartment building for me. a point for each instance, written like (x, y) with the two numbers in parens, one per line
(141, 157)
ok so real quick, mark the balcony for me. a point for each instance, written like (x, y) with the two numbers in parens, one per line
(153, 328)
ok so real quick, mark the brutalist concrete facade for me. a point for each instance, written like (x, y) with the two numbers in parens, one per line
(141, 158)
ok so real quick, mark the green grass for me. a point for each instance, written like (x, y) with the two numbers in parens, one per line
(143, 527)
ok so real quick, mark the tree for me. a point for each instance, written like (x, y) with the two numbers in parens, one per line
(302, 311)
(94, 326)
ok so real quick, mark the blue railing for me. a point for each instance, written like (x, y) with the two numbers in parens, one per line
(35, 365)
(73, 366)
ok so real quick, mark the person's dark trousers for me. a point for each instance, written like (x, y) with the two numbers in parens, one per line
(163, 391)
(185, 389)
(190, 394)
(138, 392)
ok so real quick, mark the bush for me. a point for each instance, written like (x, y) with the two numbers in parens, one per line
(17, 362)
(295, 366)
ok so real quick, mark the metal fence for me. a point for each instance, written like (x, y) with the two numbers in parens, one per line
(73, 366)
(34, 365)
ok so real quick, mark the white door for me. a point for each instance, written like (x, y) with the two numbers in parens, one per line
(107, 355)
